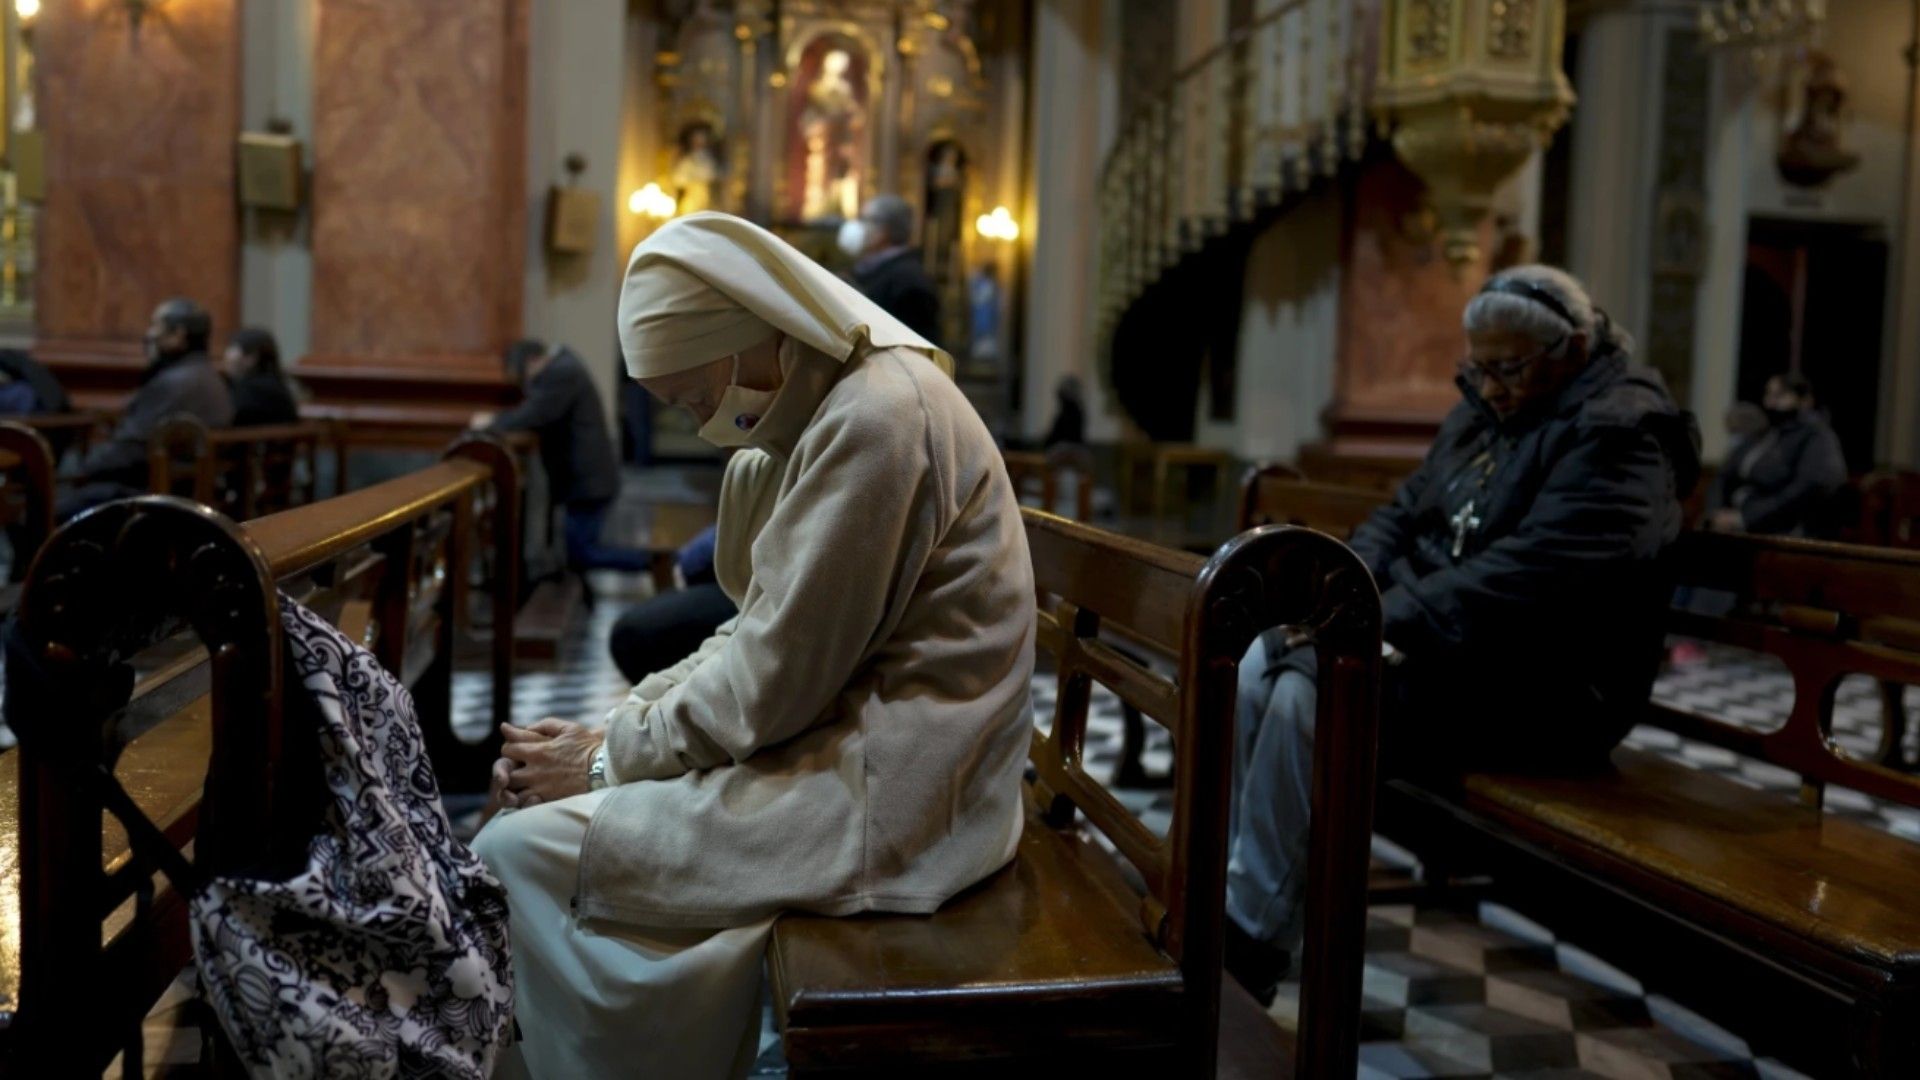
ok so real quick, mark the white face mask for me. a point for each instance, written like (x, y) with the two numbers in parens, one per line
(738, 414)
(852, 238)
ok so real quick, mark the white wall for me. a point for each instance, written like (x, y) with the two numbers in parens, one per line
(577, 66)
(1289, 336)
(1075, 102)
(276, 264)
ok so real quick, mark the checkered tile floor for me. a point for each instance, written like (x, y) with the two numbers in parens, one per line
(1476, 992)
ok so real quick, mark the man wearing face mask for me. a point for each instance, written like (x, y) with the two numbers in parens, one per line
(1520, 588)
(180, 379)
(562, 406)
(852, 741)
(887, 269)
(1783, 479)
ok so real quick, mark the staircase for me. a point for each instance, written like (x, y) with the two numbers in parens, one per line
(1273, 110)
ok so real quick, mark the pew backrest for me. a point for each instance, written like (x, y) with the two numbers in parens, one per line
(1041, 472)
(1207, 613)
(244, 472)
(26, 492)
(161, 574)
(1276, 495)
(1824, 611)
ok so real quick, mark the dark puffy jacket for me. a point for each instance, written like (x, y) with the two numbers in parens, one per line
(899, 284)
(1784, 479)
(188, 384)
(563, 408)
(1520, 566)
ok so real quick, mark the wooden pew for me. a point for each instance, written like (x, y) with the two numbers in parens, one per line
(88, 935)
(1027, 468)
(26, 498)
(1070, 957)
(1276, 495)
(243, 472)
(1809, 921)
(74, 431)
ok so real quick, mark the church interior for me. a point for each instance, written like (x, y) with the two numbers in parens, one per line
(707, 538)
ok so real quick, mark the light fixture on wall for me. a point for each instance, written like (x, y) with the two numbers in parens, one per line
(26, 9)
(651, 202)
(998, 225)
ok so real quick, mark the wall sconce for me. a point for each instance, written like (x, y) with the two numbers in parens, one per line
(651, 202)
(26, 9)
(573, 212)
(998, 225)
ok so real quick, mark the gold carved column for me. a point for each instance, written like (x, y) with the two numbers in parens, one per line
(1470, 89)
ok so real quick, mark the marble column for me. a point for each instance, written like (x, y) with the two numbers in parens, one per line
(140, 134)
(1400, 305)
(419, 188)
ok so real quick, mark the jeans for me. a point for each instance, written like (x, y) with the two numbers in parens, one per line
(585, 523)
(1272, 795)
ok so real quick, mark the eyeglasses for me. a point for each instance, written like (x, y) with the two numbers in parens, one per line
(1504, 372)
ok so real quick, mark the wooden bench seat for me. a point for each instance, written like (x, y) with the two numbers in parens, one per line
(1058, 929)
(1800, 926)
(1697, 839)
(1074, 958)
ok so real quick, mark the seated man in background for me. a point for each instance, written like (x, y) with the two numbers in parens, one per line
(887, 268)
(261, 393)
(563, 408)
(180, 380)
(1520, 585)
(1783, 479)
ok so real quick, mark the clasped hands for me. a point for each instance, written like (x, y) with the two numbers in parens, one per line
(542, 762)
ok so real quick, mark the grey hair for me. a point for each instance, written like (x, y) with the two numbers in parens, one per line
(892, 215)
(1511, 312)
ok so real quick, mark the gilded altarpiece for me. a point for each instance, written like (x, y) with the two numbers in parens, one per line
(795, 113)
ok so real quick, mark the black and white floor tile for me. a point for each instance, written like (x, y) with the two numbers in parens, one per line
(1479, 992)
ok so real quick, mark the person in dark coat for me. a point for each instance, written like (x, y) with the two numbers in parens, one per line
(180, 379)
(261, 394)
(1783, 479)
(27, 388)
(1521, 587)
(563, 408)
(888, 270)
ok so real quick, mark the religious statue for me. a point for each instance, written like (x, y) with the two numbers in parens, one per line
(1810, 151)
(695, 170)
(830, 135)
(946, 190)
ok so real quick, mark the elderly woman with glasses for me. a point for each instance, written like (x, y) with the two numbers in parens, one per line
(1519, 573)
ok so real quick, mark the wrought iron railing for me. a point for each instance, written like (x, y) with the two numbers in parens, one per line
(1278, 105)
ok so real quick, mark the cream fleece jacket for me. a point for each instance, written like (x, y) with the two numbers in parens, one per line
(854, 739)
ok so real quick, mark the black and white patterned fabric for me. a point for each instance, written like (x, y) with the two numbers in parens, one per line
(386, 955)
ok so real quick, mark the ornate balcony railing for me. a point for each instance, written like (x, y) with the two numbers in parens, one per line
(1275, 108)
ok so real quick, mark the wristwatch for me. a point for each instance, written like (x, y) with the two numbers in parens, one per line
(597, 771)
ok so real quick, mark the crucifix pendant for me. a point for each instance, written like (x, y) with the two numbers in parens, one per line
(1464, 521)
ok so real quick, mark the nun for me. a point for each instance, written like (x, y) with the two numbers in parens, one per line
(852, 741)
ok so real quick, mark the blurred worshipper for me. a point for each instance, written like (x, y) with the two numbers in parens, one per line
(1069, 427)
(261, 393)
(1783, 479)
(563, 408)
(180, 379)
(27, 387)
(887, 269)
(1519, 576)
(664, 629)
(885, 633)
(1745, 420)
